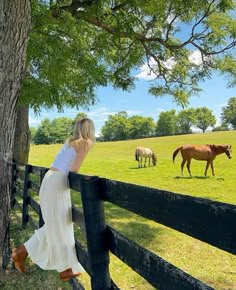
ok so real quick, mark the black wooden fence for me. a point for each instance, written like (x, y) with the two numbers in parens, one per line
(209, 221)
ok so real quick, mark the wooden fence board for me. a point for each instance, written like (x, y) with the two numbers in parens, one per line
(157, 271)
(34, 186)
(82, 256)
(37, 169)
(75, 180)
(78, 217)
(209, 221)
(75, 284)
(34, 204)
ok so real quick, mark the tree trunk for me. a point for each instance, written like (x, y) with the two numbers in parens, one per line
(22, 136)
(14, 27)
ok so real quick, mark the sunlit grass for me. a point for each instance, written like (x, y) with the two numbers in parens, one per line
(115, 160)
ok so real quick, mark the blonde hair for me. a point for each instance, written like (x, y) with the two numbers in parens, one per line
(84, 128)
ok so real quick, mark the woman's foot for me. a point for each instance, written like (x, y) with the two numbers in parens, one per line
(67, 274)
(18, 256)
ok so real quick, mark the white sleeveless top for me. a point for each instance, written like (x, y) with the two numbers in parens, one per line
(65, 159)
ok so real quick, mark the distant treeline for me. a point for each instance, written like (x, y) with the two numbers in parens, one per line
(121, 127)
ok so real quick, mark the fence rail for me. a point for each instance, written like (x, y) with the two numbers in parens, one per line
(209, 221)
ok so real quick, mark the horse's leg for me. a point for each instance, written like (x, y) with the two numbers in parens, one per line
(149, 161)
(212, 168)
(145, 159)
(182, 167)
(188, 166)
(207, 165)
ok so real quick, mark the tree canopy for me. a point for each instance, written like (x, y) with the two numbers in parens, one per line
(122, 127)
(55, 131)
(228, 114)
(186, 119)
(167, 123)
(78, 45)
(204, 118)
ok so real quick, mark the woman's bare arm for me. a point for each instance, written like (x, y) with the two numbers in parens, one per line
(82, 151)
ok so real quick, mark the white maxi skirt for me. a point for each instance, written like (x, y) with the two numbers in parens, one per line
(52, 247)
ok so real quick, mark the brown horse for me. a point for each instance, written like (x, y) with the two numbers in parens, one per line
(144, 152)
(201, 152)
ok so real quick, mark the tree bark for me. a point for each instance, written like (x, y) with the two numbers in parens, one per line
(22, 136)
(14, 27)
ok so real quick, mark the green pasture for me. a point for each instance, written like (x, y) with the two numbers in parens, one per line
(115, 160)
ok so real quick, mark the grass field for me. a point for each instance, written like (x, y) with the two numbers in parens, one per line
(115, 160)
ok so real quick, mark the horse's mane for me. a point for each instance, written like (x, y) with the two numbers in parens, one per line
(214, 146)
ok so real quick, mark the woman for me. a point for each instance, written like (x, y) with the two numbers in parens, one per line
(52, 247)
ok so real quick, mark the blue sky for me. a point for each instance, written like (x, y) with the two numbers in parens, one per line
(214, 95)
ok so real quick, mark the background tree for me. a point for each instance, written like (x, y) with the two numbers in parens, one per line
(167, 123)
(222, 127)
(53, 132)
(33, 131)
(116, 127)
(61, 129)
(141, 127)
(228, 114)
(204, 118)
(42, 135)
(79, 116)
(185, 120)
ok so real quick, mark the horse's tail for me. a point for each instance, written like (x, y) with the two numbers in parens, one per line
(176, 152)
(136, 155)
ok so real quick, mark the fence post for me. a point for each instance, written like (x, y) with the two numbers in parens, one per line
(95, 228)
(25, 215)
(41, 221)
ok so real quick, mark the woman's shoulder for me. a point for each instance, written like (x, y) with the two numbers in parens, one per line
(81, 143)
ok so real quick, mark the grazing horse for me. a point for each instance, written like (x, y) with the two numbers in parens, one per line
(201, 152)
(144, 152)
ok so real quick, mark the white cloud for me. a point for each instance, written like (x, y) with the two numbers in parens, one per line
(169, 64)
(33, 122)
(195, 57)
(147, 74)
(221, 105)
(218, 121)
(159, 110)
(101, 114)
(131, 112)
(146, 70)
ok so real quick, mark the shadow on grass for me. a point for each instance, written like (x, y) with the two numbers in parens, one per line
(191, 177)
(141, 167)
(131, 225)
(220, 179)
(140, 232)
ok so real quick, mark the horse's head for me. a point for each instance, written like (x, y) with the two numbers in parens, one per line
(154, 159)
(228, 151)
